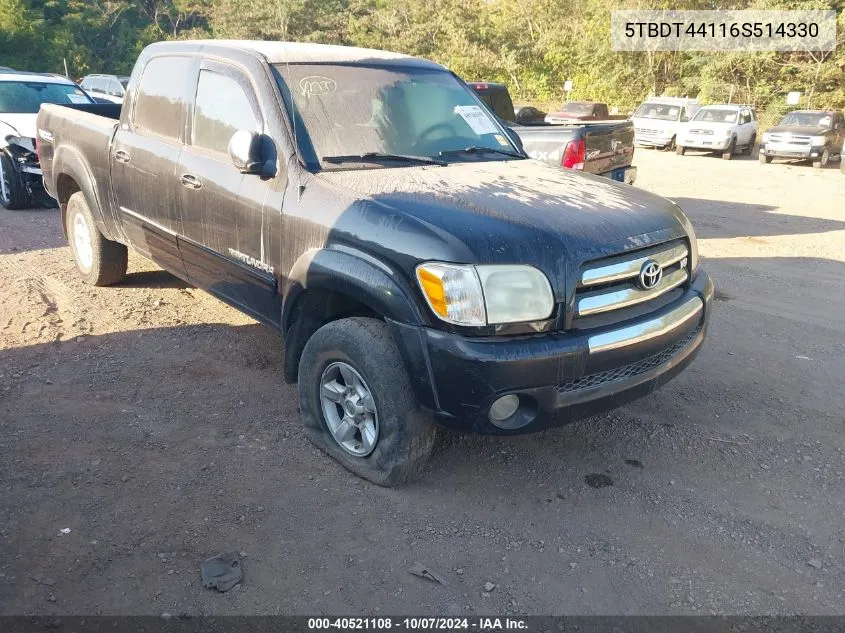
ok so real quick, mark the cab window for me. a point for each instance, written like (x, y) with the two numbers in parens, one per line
(161, 96)
(222, 108)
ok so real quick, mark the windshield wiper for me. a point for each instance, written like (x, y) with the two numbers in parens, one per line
(475, 149)
(368, 156)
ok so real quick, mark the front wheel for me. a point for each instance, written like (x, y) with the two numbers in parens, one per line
(13, 194)
(357, 404)
(99, 261)
(728, 153)
(822, 162)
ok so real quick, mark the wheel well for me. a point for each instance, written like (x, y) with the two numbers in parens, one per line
(65, 188)
(312, 310)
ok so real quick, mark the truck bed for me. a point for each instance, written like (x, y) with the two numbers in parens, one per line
(85, 132)
(610, 144)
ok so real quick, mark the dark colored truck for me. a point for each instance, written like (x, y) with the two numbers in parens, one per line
(604, 148)
(368, 206)
(814, 135)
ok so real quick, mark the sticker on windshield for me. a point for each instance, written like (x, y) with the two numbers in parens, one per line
(74, 98)
(316, 85)
(501, 140)
(477, 119)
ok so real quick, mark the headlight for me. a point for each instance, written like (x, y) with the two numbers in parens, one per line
(817, 141)
(693, 242)
(481, 295)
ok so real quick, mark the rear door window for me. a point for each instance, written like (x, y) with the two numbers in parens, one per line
(224, 105)
(160, 101)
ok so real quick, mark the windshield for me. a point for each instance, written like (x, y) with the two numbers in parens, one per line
(716, 115)
(341, 110)
(807, 119)
(658, 111)
(26, 97)
(578, 108)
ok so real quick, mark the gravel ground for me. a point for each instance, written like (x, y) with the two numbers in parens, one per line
(146, 427)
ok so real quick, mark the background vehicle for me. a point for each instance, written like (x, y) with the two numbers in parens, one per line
(583, 111)
(719, 128)
(106, 87)
(658, 120)
(815, 135)
(417, 264)
(602, 148)
(21, 94)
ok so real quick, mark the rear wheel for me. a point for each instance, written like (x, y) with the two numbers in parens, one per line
(13, 194)
(822, 162)
(749, 149)
(357, 405)
(680, 149)
(99, 261)
(728, 153)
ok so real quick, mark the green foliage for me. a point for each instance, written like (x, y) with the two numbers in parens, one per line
(532, 45)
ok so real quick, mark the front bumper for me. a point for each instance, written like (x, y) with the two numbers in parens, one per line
(788, 150)
(559, 377)
(652, 140)
(705, 142)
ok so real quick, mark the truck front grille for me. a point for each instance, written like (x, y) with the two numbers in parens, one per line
(630, 370)
(789, 139)
(614, 284)
(707, 132)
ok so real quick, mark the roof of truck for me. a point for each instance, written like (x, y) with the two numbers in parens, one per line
(300, 52)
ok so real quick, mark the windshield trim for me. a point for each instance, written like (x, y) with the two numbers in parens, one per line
(286, 100)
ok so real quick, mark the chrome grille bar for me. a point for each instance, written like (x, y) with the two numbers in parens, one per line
(628, 268)
(629, 295)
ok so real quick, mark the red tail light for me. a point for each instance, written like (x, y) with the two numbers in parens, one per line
(574, 155)
(479, 86)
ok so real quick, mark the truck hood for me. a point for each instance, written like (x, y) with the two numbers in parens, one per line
(799, 130)
(513, 211)
(21, 125)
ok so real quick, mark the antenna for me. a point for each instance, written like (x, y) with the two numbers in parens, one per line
(301, 188)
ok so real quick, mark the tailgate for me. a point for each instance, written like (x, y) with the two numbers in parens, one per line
(610, 145)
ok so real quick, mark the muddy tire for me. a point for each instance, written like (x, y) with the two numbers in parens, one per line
(16, 196)
(100, 262)
(749, 149)
(355, 361)
(729, 153)
(822, 162)
(680, 150)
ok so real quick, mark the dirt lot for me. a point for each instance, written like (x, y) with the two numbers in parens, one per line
(152, 422)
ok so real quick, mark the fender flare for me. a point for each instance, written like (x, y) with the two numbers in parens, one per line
(68, 161)
(354, 274)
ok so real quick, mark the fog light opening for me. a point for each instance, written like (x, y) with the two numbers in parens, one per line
(503, 409)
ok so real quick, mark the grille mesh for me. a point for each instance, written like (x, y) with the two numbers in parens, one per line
(628, 371)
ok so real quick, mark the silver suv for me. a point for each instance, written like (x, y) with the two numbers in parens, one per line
(107, 87)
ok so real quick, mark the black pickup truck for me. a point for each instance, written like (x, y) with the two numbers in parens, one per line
(605, 148)
(367, 205)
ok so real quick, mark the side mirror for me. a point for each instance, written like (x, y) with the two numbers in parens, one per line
(245, 151)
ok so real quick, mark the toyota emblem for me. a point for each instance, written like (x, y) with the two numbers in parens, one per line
(650, 275)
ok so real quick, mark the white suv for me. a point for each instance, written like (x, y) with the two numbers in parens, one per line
(106, 87)
(726, 128)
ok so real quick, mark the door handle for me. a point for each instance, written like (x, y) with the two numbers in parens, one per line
(121, 156)
(190, 181)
